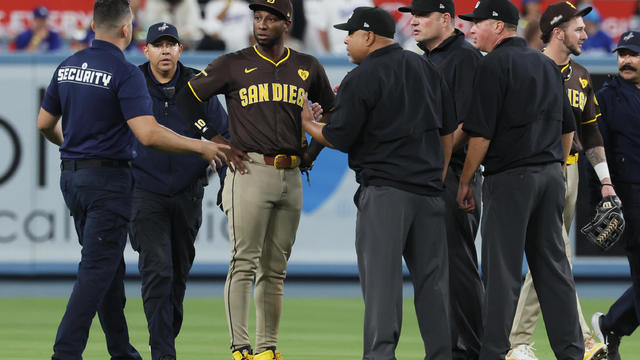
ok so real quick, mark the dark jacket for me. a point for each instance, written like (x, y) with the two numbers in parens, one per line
(620, 128)
(164, 173)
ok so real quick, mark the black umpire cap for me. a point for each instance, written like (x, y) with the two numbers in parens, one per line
(630, 41)
(502, 10)
(558, 14)
(156, 31)
(428, 6)
(369, 18)
(280, 7)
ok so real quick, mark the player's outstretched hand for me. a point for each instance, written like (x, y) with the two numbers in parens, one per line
(307, 113)
(214, 153)
(465, 199)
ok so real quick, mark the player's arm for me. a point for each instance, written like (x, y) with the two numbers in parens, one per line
(593, 143)
(158, 137)
(50, 127)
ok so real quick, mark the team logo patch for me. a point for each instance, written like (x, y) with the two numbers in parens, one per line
(163, 27)
(583, 82)
(246, 71)
(303, 74)
(494, 13)
(628, 37)
(441, 6)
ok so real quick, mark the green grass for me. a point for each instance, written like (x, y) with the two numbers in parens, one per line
(317, 328)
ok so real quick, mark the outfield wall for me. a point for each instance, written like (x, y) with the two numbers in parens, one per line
(37, 234)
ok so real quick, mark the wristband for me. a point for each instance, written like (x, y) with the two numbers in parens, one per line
(606, 184)
(602, 170)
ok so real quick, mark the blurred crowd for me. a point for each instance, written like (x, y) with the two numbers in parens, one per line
(225, 25)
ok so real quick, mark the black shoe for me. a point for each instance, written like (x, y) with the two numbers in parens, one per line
(610, 338)
(167, 357)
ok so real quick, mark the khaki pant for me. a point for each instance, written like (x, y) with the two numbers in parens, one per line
(524, 322)
(263, 209)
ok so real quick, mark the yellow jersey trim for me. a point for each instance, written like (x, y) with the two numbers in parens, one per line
(194, 92)
(255, 47)
(565, 68)
(592, 120)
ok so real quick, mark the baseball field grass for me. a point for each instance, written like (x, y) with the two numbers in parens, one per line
(311, 328)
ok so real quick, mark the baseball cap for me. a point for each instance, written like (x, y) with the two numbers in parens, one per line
(40, 12)
(370, 19)
(281, 7)
(159, 30)
(502, 10)
(559, 13)
(443, 6)
(630, 41)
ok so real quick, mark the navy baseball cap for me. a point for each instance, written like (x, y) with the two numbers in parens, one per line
(428, 6)
(281, 7)
(558, 14)
(159, 30)
(502, 10)
(630, 41)
(369, 18)
(40, 12)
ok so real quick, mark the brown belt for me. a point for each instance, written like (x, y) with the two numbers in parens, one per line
(282, 161)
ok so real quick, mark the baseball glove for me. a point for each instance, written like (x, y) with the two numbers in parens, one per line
(606, 227)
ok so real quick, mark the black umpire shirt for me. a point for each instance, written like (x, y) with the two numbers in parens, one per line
(457, 59)
(520, 105)
(390, 113)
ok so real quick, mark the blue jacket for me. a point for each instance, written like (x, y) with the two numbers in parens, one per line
(620, 128)
(164, 173)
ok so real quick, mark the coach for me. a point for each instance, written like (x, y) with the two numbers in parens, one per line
(395, 118)
(522, 132)
(102, 98)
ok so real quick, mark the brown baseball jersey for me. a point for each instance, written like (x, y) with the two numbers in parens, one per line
(264, 98)
(586, 111)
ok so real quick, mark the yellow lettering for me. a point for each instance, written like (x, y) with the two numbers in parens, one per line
(293, 90)
(285, 93)
(277, 92)
(253, 94)
(575, 102)
(264, 92)
(244, 101)
(583, 100)
(300, 100)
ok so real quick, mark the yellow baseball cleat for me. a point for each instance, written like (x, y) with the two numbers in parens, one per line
(268, 355)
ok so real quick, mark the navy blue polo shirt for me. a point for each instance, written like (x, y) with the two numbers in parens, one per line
(521, 106)
(97, 90)
(389, 116)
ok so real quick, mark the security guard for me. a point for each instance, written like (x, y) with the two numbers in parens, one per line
(395, 118)
(433, 27)
(102, 98)
(521, 130)
(167, 200)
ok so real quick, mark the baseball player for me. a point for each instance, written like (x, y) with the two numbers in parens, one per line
(265, 86)
(563, 31)
(167, 200)
(620, 125)
(433, 27)
(395, 118)
(102, 98)
(521, 131)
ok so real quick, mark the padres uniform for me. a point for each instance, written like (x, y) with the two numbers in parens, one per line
(579, 89)
(97, 91)
(264, 100)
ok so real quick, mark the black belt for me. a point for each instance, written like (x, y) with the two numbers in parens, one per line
(93, 163)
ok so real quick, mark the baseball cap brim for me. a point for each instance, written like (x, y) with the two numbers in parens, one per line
(634, 48)
(406, 9)
(584, 11)
(343, 26)
(470, 17)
